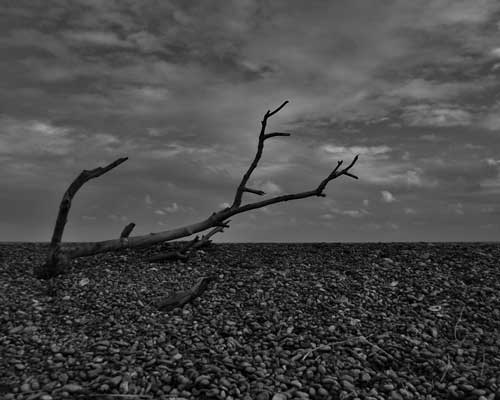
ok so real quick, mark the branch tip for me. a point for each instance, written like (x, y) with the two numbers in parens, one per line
(254, 191)
(275, 134)
(269, 114)
(127, 230)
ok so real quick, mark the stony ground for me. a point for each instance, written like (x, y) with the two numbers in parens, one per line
(281, 321)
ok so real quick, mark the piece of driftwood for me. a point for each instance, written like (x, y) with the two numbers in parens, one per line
(59, 257)
(180, 299)
(184, 253)
(127, 231)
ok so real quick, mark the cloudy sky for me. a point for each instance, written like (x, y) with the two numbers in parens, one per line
(180, 87)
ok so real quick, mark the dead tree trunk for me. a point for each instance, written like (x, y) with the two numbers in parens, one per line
(59, 257)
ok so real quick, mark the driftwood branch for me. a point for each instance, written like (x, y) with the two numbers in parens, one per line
(127, 231)
(61, 256)
(205, 239)
(180, 299)
(65, 205)
(56, 259)
(183, 253)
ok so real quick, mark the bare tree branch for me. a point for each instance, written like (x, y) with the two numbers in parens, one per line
(254, 191)
(260, 148)
(275, 134)
(277, 110)
(335, 174)
(319, 191)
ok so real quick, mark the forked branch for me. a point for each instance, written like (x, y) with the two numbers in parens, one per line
(258, 155)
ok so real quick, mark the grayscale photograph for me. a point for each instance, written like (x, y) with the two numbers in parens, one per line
(249, 199)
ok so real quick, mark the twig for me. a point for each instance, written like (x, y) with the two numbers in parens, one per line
(482, 365)
(365, 340)
(446, 369)
(310, 351)
(458, 321)
(323, 346)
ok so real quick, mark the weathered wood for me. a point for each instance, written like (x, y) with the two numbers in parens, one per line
(127, 231)
(180, 299)
(57, 260)
(58, 254)
(65, 205)
(205, 239)
(183, 253)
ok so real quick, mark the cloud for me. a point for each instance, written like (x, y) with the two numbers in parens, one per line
(33, 137)
(370, 151)
(456, 176)
(269, 187)
(399, 175)
(354, 213)
(387, 196)
(172, 208)
(118, 218)
(457, 208)
(96, 38)
(431, 137)
(170, 150)
(419, 89)
(148, 199)
(459, 11)
(181, 87)
(433, 116)
(380, 165)
(492, 162)
(491, 119)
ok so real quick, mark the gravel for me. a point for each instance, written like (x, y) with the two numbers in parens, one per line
(280, 322)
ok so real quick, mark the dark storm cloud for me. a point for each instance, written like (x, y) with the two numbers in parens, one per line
(181, 86)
